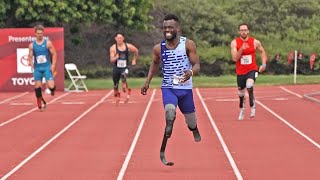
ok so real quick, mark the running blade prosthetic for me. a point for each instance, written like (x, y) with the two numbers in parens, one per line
(162, 151)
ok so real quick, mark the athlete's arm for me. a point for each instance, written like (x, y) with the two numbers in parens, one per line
(30, 58)
(194, 60)
(263, 55)
(154, 67)
(53, 53)
(135, 52)
(113, 54)
(193, 56)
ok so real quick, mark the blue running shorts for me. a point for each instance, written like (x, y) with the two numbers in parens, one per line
(181, 97)
(39, 73)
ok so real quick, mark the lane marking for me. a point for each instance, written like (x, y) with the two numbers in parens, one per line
(291, 92)
(309, 97)
(14, 97)
(225, 100)
(122, 102)
(54, 137)
(21, 104)
(288, 124)
(31, 110)
(136, 137)
(72, 103)
(224, 145)
(281, 99)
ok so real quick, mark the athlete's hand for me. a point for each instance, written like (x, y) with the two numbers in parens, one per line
(144, 89)
(245, 45)
(115, 57)
(53, 68)
(262, 68)
(186, 76)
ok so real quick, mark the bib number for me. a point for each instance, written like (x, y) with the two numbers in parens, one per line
(41, 59)
(246, 59)
(121, 63)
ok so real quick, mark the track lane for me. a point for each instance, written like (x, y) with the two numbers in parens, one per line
(8, 96)
(299, 112)
(266, 149)
(203, 160)
(20, 139)
(14, 107)
(263, 147)
(94, 148)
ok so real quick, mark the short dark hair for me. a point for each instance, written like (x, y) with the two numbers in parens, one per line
(38, 27)
(120, 33)
(244, 24)
(171, 17)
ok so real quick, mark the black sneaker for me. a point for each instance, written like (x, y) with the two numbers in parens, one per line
(44, 104)
(52, 92)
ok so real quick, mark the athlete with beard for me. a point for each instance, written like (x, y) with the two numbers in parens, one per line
(180, 62)
(243, 51)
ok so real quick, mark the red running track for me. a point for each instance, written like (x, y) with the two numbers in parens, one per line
(264, 147)
(88, 137)
(202, 160)
(26, 134)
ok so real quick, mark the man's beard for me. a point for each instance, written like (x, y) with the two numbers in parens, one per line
(244, 36)
(173, 36)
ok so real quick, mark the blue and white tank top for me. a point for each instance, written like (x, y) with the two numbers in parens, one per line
(174, 62)
(41, 55)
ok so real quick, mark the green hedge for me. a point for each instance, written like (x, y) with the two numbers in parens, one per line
(215, 61)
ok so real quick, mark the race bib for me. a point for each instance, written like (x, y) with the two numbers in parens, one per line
(246, 59)
(41, 59)
(176, 79)
(122, 63)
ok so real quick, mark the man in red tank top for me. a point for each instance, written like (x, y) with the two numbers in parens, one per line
(243, 51)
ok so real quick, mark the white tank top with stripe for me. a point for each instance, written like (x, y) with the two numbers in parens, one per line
(174, 62)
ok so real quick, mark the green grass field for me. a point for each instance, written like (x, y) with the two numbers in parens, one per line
(205, 81)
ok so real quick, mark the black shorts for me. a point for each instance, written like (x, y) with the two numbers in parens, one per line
(242, 79)
(117, 74)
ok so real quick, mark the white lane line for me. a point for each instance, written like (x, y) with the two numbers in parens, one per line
(308, 96)
(288, 124)
(14, 97)
(71, 103)
(225, 100)
(21, 104)
(134, 142)
(31, 110)
(291, 92)
(224, 145)
(54, 137)
(280, 99)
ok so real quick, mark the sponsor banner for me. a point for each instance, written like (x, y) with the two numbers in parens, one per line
(22, 61)
(15, 72)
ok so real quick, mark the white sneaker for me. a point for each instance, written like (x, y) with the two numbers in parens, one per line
(242, 112)
(253, 111)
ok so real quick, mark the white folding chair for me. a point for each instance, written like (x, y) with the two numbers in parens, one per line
(77, 80)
